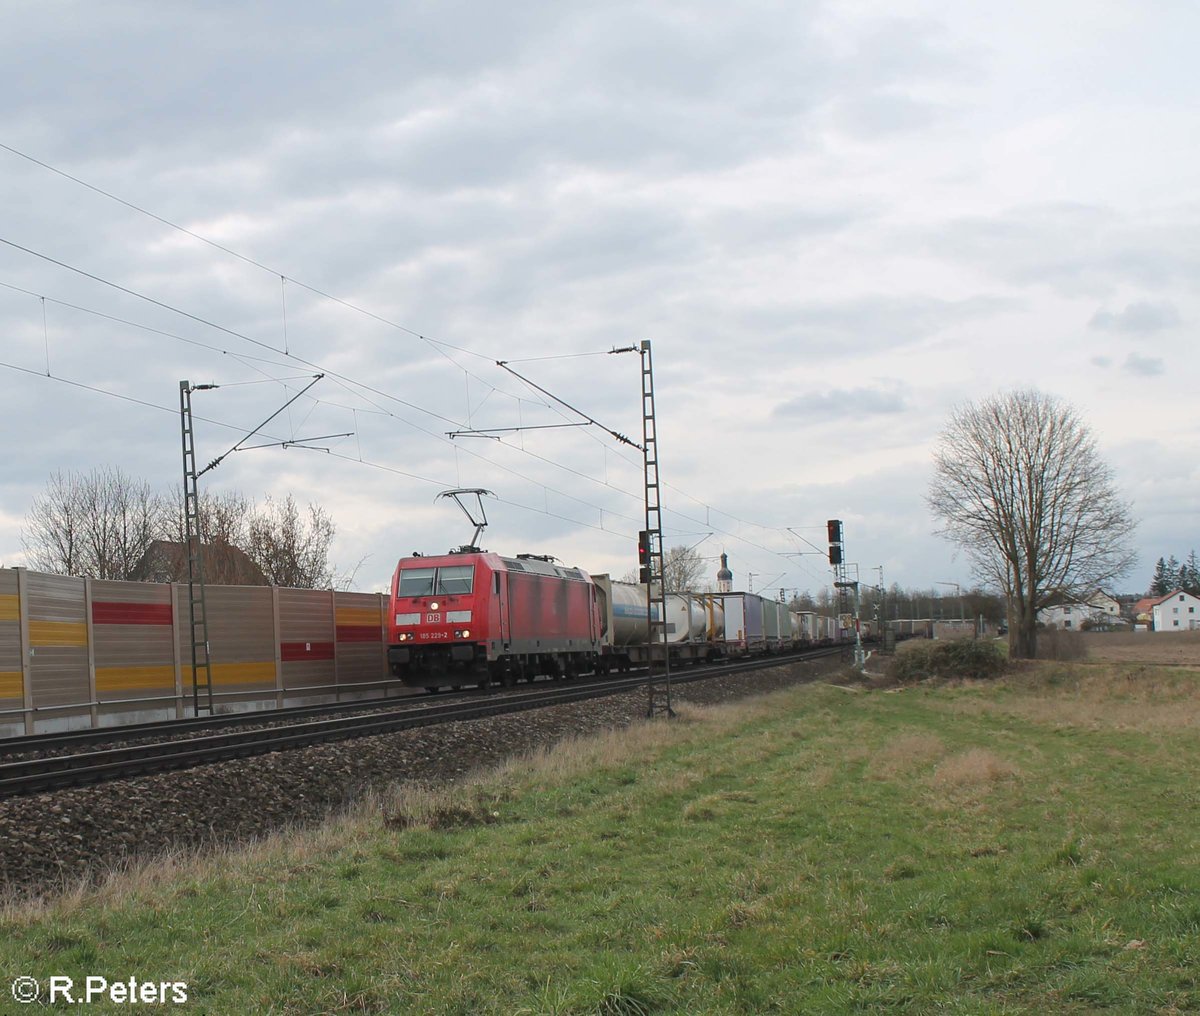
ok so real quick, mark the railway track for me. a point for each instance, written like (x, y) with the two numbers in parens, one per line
(50, 772)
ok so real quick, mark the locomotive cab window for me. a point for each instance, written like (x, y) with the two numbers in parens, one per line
(415, 582)
(453, 579)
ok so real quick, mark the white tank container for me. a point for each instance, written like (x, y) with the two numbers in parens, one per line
(629, 614)
(687, 617)
(687, 620)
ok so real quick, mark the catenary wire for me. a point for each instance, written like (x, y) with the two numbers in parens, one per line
(435, 343)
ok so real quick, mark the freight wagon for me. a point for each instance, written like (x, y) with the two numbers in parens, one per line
(744, 634)
(692, 623)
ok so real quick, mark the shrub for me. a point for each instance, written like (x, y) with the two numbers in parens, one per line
(1060, 644)
(963, 658)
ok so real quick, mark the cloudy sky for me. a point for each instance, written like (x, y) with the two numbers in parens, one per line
(834, 221)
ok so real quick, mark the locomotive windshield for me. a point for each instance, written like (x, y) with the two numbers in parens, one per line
(451, 580)
(455, 579)
(416, 582)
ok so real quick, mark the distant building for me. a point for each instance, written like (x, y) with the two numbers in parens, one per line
(1177, 611)
(223, 564)
(1070, 612)
(1143, 610)
(724, 576)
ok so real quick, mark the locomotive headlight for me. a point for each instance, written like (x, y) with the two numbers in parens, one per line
(466, 633)
(433, 605)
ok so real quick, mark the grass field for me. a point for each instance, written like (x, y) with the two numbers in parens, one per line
(1028, 845)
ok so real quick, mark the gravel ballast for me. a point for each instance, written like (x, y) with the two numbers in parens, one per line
(50, 840)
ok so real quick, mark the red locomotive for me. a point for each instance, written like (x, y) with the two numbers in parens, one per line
(473, 618)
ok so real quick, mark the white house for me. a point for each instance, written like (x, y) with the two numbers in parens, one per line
(1071, 613)
(1177, 611)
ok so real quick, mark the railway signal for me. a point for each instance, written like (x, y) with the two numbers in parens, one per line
(644, 571)
(845, 586)
(834, 528)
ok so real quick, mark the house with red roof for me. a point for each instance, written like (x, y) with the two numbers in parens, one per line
(1177, 611)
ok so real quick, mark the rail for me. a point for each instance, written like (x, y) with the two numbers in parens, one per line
(38, 775)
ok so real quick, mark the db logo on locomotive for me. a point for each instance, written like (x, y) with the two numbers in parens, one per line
(433, 618)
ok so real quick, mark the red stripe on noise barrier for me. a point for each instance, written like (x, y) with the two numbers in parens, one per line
(291, 652)
(130, 613)
(359, 633)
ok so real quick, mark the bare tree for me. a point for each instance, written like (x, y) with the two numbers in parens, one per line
(292, 549)
(107, 525)
(224, 521)
(95, 525)
(52, 535)
(1018, 484)
(682, 568)
(224, 518)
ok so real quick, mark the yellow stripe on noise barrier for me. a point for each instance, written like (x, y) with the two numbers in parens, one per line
(10, 607)
(134, 678)
(237, 673)
(57, 633)
(356, 615)
(11, 685)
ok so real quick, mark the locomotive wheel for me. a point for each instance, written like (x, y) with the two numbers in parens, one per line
(433, 689)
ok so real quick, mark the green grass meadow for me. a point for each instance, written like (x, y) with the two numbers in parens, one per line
(1023, 845)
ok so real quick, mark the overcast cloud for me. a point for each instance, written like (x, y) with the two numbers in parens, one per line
(834, 222)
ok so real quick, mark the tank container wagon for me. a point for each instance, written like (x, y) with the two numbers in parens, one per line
(694, 624)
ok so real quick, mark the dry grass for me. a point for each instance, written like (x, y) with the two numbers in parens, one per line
(975, 769)
(1091, 696)
(905, 753)
(283, 853)
(1164, 648)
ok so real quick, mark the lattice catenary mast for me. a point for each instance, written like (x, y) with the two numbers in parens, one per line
(650, 551)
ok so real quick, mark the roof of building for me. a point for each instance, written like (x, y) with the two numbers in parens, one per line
(223, 565)
(1144, 605)
(1066, 599)
(1147, 603)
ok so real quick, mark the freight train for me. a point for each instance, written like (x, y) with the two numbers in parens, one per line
(476, 618)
